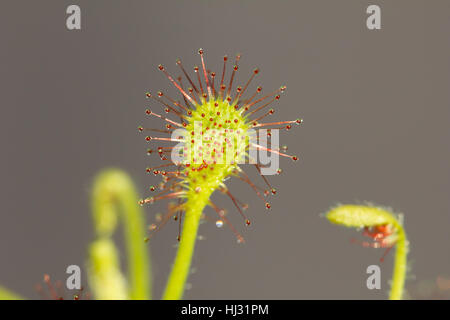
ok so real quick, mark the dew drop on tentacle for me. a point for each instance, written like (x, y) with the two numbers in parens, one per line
(219, 223)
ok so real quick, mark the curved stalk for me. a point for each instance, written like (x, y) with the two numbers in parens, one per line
(114, 196)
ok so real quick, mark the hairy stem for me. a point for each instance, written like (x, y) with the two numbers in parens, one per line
(181, 268)
(399, 274)
(114, 196)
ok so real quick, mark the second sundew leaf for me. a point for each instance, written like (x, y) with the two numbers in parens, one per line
(355, 216)
(385, 229)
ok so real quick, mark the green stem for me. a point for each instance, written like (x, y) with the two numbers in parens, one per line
(6, 294)
(114, 195)
(182, 264)
(399, 273)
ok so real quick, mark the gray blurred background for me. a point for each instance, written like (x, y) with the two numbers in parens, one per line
(376, 111)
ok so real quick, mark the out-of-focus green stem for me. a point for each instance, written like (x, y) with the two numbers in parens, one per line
(114, 196)
(6, 294)
(105, 277)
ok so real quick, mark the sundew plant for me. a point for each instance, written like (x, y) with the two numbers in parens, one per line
(212, 131)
